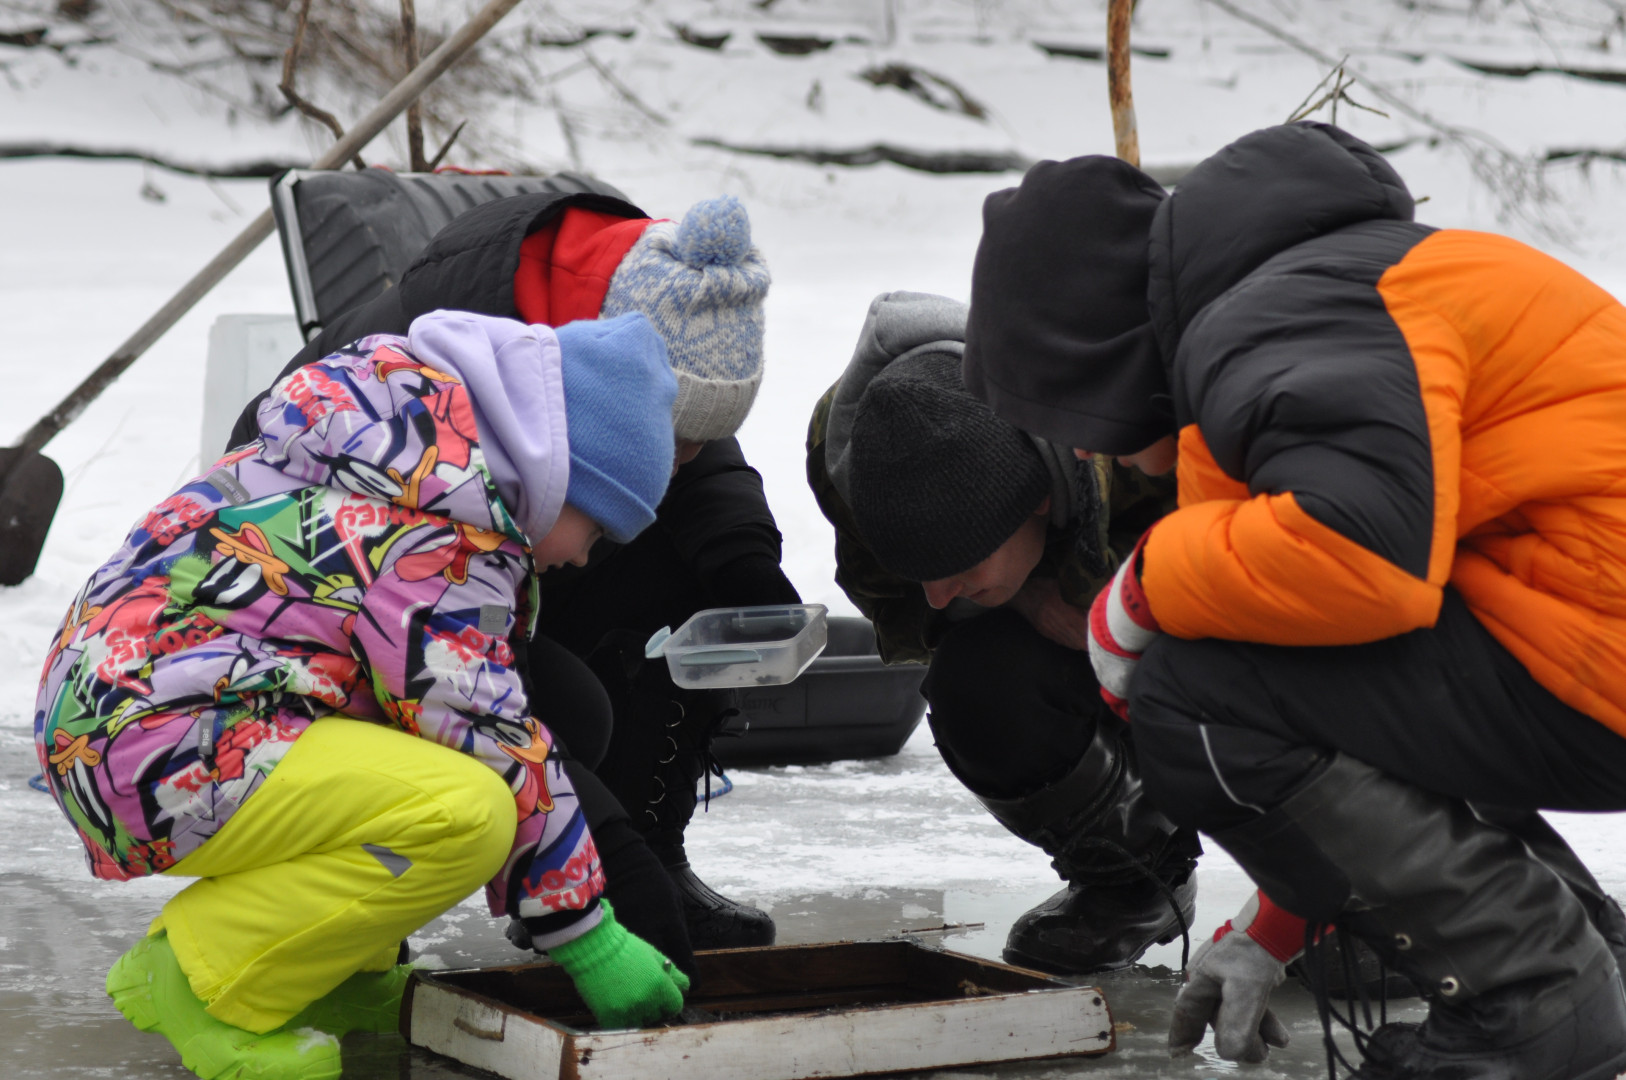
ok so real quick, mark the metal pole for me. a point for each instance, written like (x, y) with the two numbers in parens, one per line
(405, 92)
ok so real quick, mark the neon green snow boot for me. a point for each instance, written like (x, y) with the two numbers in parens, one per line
(148, 986)
(366, 1001)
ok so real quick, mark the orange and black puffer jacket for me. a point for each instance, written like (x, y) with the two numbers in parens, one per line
(1370, 410)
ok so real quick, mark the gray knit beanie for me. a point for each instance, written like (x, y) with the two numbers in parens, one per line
(701, 283)
(938, 482)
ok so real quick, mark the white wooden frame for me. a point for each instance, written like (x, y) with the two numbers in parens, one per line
(476, 1030)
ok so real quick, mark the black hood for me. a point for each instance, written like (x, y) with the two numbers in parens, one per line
(1264, 193)
(1087, 276)
(1058, 341)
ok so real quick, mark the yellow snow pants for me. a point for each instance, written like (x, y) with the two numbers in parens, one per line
(360, 835)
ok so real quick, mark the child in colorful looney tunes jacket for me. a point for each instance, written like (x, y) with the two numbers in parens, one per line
(233, 696)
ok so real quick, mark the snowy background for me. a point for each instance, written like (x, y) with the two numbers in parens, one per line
(1509, 112)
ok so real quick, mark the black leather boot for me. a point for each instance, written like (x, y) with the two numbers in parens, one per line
(1130, 872)
(1520, 985)
(1545, 844)
(660, 751)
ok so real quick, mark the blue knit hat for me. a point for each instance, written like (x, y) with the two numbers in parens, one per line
(702, 284)
(618, 412)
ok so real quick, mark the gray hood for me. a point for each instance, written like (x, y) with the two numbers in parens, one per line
(911, 324)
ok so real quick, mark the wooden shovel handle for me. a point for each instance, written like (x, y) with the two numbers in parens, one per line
(1119, 91)
(405, 93)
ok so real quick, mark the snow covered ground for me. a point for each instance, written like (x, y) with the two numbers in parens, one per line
(847, 850)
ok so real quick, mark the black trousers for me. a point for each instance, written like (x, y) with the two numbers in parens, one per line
(1226, 730)
(1011, 710)
(572, 701)
(610, 608)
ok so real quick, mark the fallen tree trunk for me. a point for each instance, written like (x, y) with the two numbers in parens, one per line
(938, 161)
(239, 171)
(944, 162)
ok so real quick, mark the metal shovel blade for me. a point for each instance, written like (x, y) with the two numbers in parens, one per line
(30, 488)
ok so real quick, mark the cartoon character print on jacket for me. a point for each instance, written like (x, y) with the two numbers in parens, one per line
(355, 560)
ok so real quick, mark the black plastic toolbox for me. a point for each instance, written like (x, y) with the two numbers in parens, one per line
(847, 704)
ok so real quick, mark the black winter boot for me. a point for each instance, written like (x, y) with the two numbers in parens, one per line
(1129, 871)
(1545, 844)
(1520, 985)
(660, 751)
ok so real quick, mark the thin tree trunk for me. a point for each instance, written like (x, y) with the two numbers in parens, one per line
(1122, 96)
(414, 113)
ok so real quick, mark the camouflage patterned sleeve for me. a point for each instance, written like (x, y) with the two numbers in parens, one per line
(904, 622)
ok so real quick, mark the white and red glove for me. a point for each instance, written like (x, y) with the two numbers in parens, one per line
(1121, 627)
(1229, 981)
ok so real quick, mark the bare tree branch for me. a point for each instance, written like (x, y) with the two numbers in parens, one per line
(567, 128)
(290, 61)
(440, 155)
(414, 113)
(1341, 84)
(622, 88)
(1517, 182)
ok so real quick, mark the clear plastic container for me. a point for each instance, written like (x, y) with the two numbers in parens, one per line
(742, 646)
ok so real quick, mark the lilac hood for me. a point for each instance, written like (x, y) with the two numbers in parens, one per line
(512, 374)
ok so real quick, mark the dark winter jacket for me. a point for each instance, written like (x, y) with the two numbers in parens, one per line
(1098, 511)
(468, 266)
(714, 511)
(1370, 410)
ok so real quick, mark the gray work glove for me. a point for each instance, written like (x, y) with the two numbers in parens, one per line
(1228, 985)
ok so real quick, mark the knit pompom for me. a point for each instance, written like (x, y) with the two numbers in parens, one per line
(715, 232)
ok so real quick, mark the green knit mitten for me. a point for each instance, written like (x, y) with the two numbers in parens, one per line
(624, 979)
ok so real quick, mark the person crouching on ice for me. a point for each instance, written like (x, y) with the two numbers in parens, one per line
(295, 683)
(978, 550)
(1387, 624)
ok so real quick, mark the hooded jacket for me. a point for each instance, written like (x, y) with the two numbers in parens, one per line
(360, 557)
(1370, 409)
(1097, 512)
(568, 245)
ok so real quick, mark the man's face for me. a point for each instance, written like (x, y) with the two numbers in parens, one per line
(996, 579)
(1155, 460)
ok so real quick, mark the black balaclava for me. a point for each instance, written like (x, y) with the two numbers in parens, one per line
(1059, 340)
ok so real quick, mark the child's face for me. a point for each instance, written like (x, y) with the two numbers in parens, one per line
(569, 541)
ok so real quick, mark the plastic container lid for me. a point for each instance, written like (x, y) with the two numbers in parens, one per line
(742, 646)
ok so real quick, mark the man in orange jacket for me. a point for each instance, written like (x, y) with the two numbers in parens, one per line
(1387, 623)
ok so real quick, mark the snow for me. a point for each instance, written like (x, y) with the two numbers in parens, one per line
(850, 849)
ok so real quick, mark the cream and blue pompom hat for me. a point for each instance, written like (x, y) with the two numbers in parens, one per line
(701, 283)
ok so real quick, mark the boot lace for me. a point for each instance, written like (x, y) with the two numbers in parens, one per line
(709, 765)
(672, 751)
(1317, 943)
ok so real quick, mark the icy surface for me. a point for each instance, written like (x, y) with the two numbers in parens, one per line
(847, 850)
